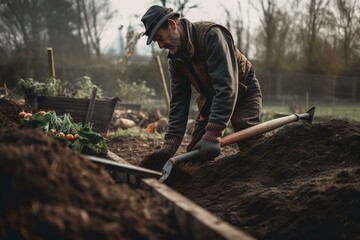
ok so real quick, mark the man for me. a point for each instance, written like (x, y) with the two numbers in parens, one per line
(202, 54)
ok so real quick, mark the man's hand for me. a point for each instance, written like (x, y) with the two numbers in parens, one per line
(209, 145)
(208, 149)
(155, 160)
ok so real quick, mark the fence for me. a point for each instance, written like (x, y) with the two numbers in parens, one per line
(333, 96)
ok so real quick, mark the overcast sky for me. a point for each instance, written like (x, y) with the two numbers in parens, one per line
(130, 12)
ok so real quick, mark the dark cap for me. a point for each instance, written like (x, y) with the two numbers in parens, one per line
(154, 18)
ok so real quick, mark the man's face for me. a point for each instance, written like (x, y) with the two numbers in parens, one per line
(168, 38)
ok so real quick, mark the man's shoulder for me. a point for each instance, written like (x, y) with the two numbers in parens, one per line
(204, 24)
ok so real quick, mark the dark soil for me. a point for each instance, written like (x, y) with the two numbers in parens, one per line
(302, 182)
(48, 191)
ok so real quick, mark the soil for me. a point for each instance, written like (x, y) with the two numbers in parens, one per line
(48, 191)
(301, 182)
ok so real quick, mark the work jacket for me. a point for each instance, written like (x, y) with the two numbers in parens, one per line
(214, 67)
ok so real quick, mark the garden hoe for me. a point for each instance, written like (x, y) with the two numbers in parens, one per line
(239, 136)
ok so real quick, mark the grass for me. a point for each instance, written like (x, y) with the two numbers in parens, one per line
(331, 110)
(133, 132)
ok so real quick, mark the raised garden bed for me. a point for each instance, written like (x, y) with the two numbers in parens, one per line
(78, 108)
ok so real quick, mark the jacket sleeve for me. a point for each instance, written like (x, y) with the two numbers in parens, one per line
(223, 71)
(179, 103)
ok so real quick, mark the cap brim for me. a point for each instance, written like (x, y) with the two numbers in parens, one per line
(158, 25)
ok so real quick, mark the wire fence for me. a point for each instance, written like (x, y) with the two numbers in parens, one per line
(333, 96)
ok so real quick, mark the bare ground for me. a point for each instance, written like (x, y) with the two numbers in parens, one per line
(303, 182)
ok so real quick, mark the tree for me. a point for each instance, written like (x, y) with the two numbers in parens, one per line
(93, 18)
(347, 23)
(23, 24)
(312, 22)
(180, 6)
(275, 27)
(241, 41)
(62, 36)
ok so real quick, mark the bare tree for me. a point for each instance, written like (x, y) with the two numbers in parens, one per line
(237, 25)
(313, 21)
(93, 18)
(23, 23)
(180, 6)
(275, 25)
(348, 25)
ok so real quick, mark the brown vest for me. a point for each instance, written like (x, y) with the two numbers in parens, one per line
(197, 32)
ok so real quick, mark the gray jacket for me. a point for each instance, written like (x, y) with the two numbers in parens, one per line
(214, 67)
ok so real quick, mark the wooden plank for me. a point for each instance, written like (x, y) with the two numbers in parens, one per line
(194, 221)
(115, 157)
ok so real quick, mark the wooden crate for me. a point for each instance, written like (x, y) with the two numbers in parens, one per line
(78, 107)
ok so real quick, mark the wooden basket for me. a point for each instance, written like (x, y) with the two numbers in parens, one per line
(78, 108)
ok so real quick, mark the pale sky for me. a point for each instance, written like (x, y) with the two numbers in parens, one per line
(132, 11)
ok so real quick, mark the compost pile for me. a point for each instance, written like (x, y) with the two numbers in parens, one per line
(48, 191)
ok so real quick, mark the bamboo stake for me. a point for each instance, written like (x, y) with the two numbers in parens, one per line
(163, 83)
(51, 62)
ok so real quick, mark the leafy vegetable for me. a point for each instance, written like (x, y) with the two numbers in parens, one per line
(61, 127)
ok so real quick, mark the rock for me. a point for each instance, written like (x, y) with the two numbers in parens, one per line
(162, 125)
(124, 123)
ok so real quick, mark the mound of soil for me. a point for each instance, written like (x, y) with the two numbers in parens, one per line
(9, 112)
(301, 183)
(48, 191)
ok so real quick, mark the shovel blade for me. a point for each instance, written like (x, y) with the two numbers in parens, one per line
(166, 170)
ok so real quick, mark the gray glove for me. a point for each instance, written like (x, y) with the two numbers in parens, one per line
(209, 145)
(208, 150)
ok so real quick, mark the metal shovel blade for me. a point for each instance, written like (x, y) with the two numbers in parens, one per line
(166, 170)
(176, 160)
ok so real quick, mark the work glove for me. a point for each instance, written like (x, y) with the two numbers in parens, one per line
(209, 144)
(157, 160)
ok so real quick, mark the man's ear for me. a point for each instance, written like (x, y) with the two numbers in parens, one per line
(172, 24)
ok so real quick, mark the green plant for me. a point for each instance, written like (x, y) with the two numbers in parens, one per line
(84, 86)
(134, 92)
(58, 127)
(30, 89)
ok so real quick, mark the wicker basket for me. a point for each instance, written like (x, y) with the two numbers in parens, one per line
(78, 108)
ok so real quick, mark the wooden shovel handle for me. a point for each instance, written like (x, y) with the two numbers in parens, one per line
(258, 129)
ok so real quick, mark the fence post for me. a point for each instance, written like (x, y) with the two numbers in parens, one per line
(51, 62)
(163, 84)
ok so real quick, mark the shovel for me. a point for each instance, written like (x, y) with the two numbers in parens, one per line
(239, 136)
